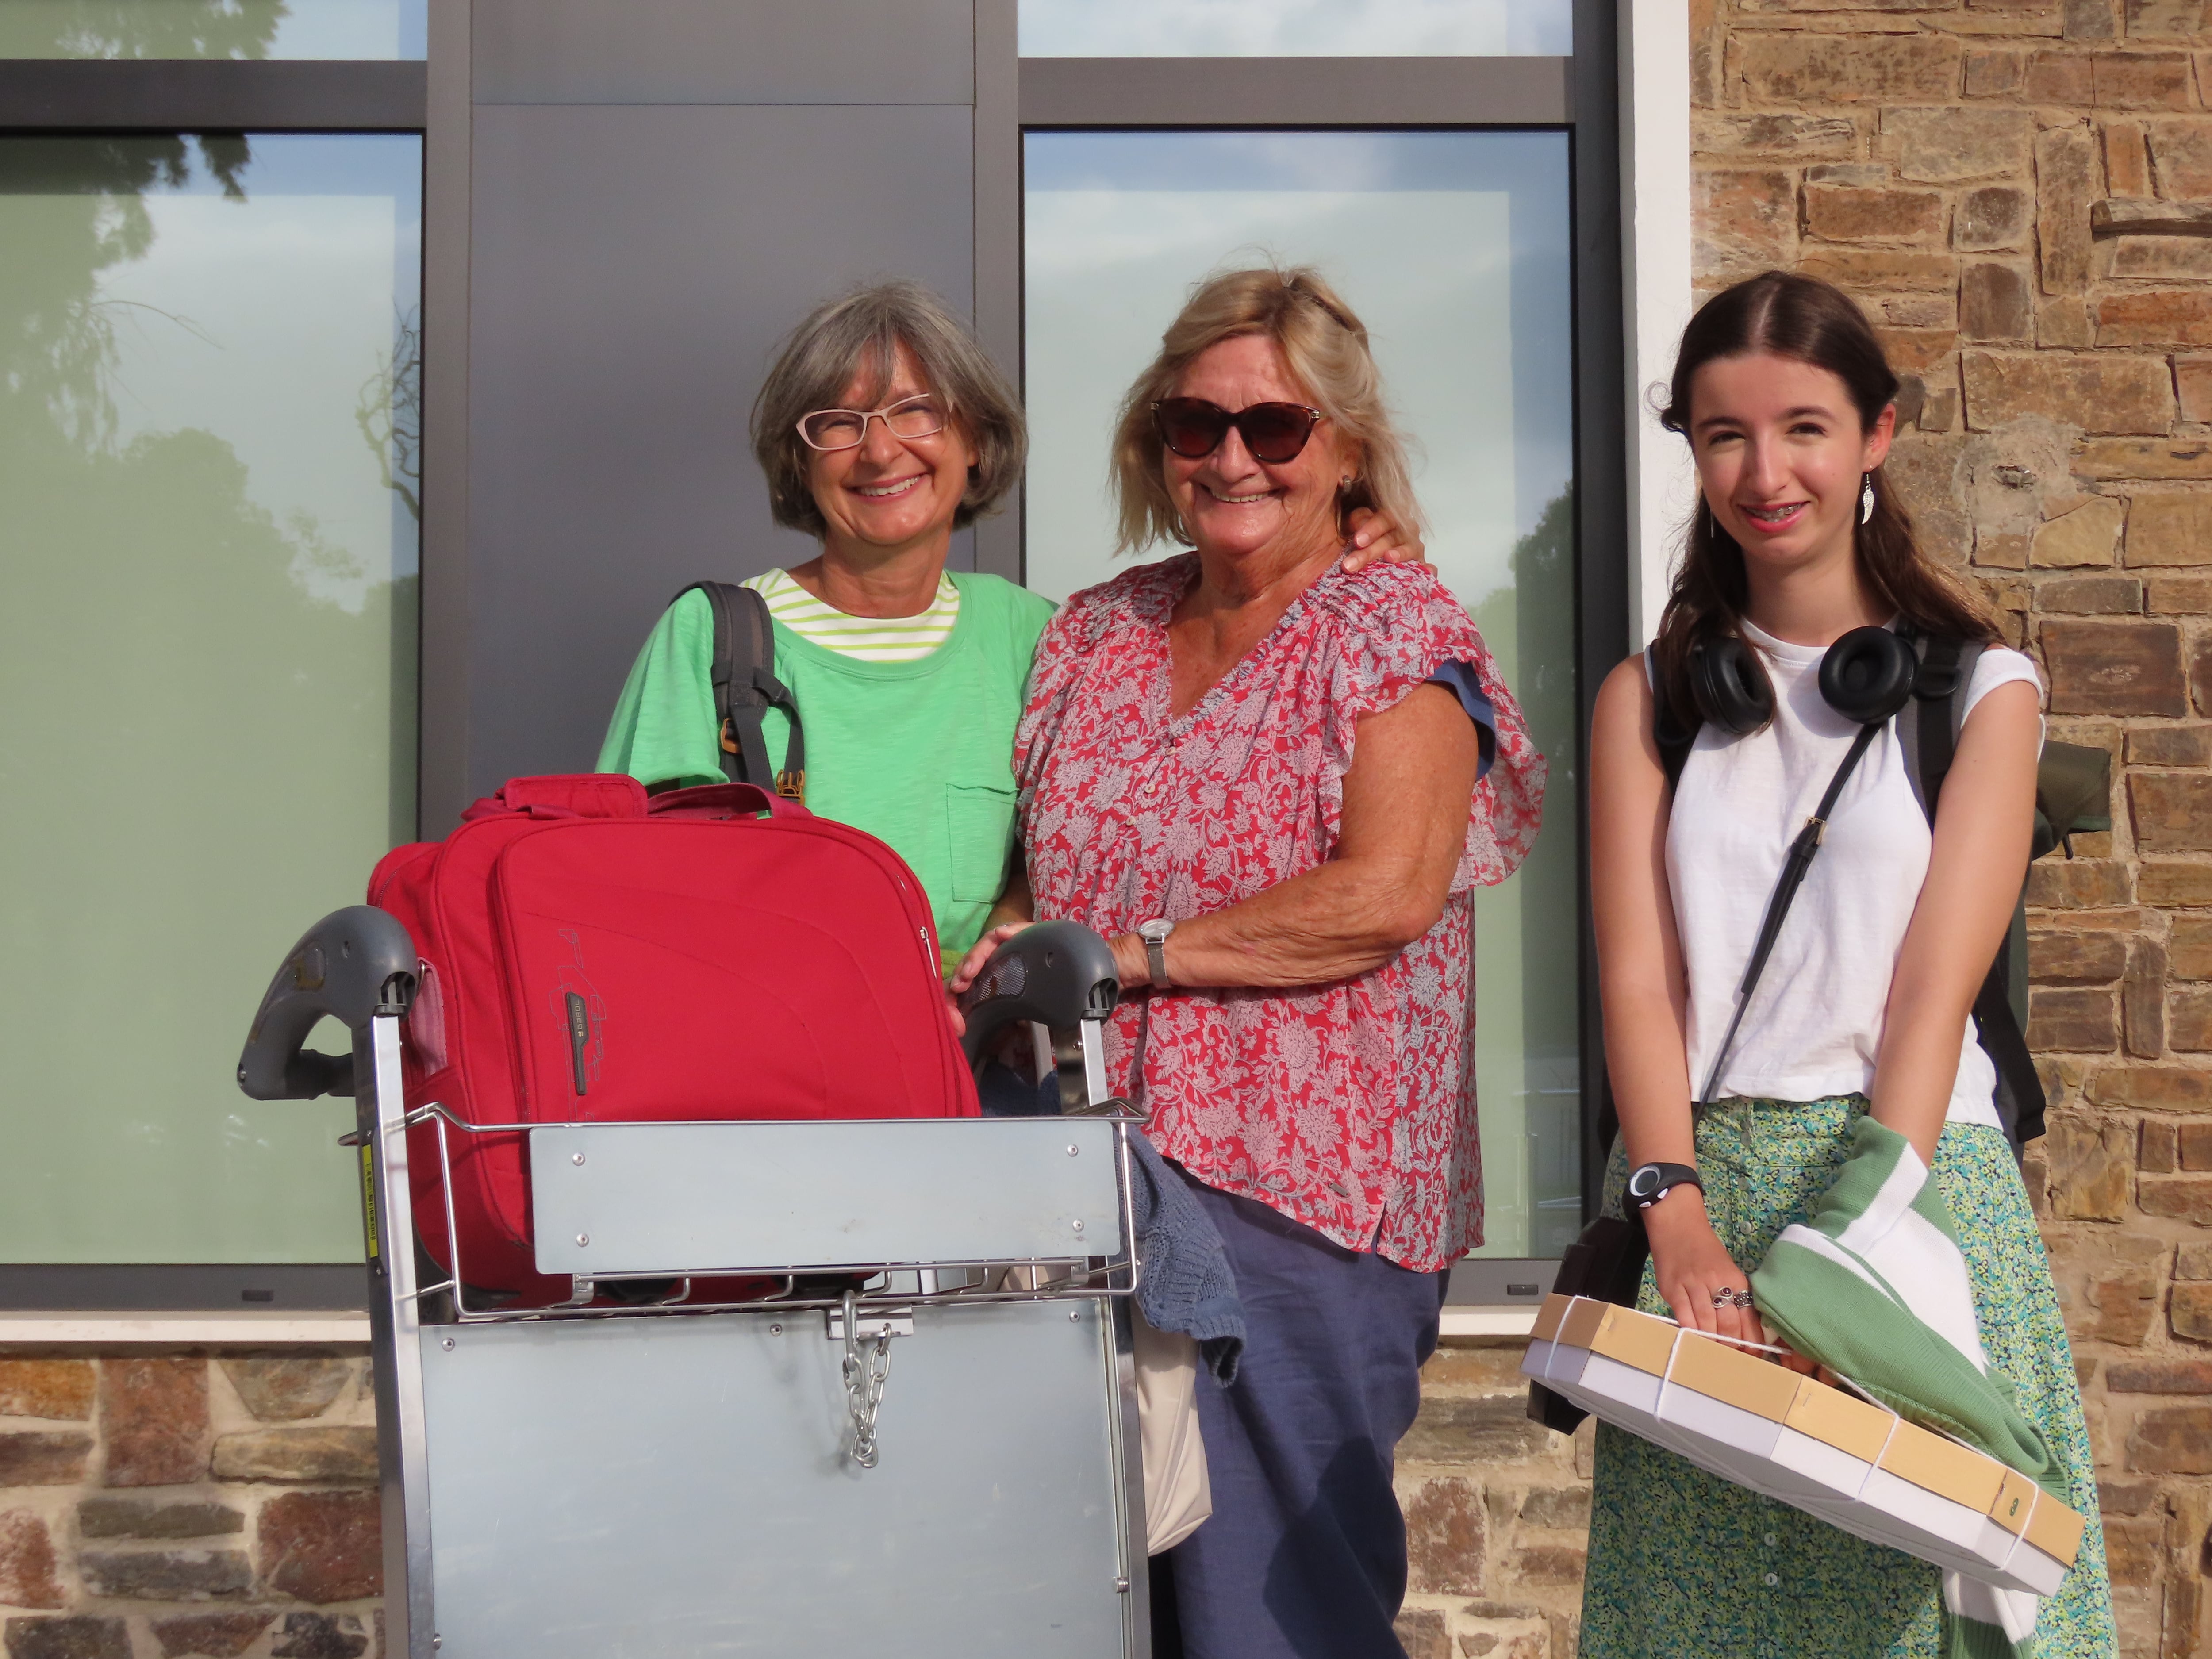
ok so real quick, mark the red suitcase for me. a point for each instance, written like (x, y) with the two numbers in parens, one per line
(589, 955)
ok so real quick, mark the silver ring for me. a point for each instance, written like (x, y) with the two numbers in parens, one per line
(1725, 1297)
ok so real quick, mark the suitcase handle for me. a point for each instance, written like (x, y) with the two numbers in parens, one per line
(1058, 974)
(722, 800)
(351, 965)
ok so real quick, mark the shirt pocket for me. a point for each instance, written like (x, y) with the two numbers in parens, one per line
(979, 822)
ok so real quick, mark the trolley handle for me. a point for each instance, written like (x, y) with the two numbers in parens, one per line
(1057, 973)
(352, 964)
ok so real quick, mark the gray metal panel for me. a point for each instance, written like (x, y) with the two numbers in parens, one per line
(1501, 1282)
(660, 1489)
(80, 1287)
(701, 1197)
(1296, 92)
(999, 242)
(634, 269)
(723, 51)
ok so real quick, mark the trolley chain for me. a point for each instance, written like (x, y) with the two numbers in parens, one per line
(864, 1381)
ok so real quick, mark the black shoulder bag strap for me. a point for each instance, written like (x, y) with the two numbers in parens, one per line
(745, 685)
(1931, 742)
(1802, 851)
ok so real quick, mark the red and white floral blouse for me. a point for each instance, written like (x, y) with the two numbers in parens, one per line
(1349, 1107)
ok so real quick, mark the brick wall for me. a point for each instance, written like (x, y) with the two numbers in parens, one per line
(157, 1507)
(2021, 195)
(1497, 1514)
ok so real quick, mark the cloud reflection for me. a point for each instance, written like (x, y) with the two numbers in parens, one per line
(1296, 29)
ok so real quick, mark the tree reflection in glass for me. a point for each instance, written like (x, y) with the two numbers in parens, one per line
(212, 28)
(206, 661)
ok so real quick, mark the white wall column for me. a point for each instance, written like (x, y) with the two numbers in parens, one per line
(1654, 208)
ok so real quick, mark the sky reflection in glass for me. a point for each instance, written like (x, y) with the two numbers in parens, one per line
(1454, 249)
(326, 29)
(1296, 29)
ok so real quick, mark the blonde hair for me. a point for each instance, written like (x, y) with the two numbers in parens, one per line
(1325, 347)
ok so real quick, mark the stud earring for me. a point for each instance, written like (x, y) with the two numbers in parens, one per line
(1865, 496)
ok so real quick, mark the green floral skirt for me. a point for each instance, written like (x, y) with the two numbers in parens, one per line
(1683, 1563)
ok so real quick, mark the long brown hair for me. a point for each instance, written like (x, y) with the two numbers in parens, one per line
(1812, 322)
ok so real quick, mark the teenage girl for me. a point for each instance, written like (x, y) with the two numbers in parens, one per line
(1782, 392)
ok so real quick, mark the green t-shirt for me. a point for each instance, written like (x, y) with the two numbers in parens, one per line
(919, 754)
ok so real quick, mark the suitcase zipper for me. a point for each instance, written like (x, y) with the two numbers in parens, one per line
(580, 1039)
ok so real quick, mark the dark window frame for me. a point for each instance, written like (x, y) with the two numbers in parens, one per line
(189, 95)
(85, 97)
(1579, 95)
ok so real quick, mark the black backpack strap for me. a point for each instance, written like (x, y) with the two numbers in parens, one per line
(1932, 722)
(745, 685)
(2019, 1087)
(1675, 733)
(1929, 732)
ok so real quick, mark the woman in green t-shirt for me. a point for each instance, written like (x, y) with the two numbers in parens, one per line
(882, 427)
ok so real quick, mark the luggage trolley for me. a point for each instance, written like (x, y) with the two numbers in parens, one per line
(924, 1444)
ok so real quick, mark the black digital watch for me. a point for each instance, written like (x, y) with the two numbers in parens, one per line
(1649, 1182)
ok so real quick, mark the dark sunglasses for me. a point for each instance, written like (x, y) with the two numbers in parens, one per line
(1275, 432)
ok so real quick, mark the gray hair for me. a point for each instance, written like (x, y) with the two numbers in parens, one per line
(859, 334)
(1325, 347)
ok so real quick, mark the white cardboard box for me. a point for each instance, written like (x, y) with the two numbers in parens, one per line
(1852, 1463)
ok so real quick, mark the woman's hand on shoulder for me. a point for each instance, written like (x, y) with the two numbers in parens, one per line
(1375, 538)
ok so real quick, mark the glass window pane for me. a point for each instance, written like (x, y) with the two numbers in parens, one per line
(213, 28)
(1454, 247)
(1296, 28)
(208, 455)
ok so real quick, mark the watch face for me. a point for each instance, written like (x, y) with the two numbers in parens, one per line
(1644, 1182)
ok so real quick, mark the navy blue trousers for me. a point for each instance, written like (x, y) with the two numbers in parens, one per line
(1304, 1556)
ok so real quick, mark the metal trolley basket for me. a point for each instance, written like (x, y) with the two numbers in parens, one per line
(924, 1444)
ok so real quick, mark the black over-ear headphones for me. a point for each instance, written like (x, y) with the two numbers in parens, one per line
(1866, 676)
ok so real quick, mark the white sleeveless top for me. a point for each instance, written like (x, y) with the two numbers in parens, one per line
(1814, 1026)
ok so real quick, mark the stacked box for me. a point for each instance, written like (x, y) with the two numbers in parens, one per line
(1852, 1463)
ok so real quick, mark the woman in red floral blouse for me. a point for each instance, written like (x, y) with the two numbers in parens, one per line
(1270, 768)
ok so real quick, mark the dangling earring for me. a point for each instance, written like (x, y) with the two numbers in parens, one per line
(1865, 496)
(1712, 525)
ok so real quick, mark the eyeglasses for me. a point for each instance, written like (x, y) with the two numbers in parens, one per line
(918, 417)
(1194, 428)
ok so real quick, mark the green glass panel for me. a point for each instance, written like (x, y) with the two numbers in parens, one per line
(208, 463)
(1296, 28)
(1454, 248)
(213, 28)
